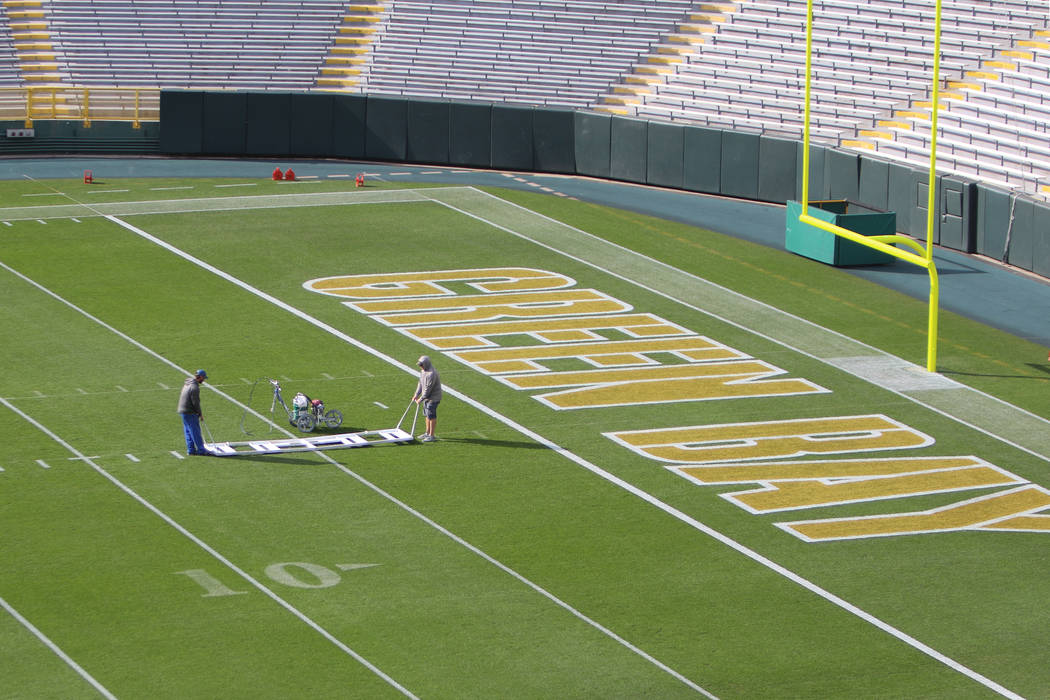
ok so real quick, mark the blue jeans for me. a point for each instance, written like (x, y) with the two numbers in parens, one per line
(191, 425)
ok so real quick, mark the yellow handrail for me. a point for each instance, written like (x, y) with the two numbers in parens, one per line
(57, 102)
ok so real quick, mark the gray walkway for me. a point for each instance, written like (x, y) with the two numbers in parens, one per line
(977, 288)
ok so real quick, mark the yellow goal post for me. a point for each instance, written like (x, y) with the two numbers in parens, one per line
(923, 256)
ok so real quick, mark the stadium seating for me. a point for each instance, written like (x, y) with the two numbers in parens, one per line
(731, 65)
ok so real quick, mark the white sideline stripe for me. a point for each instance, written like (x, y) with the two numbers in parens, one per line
(56, 650)
(750, 553)
(411, 371)
(206, 547)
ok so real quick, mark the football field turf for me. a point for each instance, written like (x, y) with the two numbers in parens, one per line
(670, 463)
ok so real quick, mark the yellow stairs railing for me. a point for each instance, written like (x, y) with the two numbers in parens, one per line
(652, 70)
(349, 52)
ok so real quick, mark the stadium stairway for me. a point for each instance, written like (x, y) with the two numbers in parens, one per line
(349, 53)
(653, 69)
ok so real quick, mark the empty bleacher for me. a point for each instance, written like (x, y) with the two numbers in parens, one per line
(194, 43)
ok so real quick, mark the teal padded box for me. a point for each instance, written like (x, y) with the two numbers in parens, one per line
(816, 243)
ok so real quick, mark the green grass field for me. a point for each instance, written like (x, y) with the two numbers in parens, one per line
(776, 507)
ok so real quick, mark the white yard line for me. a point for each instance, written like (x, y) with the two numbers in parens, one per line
(56, 650)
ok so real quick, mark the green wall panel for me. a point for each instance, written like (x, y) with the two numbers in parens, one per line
(225, 114)
(1022, 235)
(842, 171)
(993, 221)
(665, 155)
(311, 124)
(900, 193)
(512, 145)
(740, 165)
(818, 188)
(702, 159)
(386, 128)
(471, 135)
(1041, 240)
(181, 121)
(593, 143)
(553, 140)
(777, 169)
(429, 122)
(348, 126)
(627, 149)
(268, 126)
(874, 183)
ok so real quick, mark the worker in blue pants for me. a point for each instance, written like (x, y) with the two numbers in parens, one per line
(190, 410)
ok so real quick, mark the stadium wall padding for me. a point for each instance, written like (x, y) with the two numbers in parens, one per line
(739, 165)
(268, 123)
(665, 152)
(512, 141)
(776, 169)
(1020, 247)
(429, 125)
(1041, 241)
(702, 159)
(224, 123)
(592, 147)
(552, 140)
(311, 124)
(348, 126)
(471, 140)
(628, 146)
(182, 125)
(993, 221)
(386, 128)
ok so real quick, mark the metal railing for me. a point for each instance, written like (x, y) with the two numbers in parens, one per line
(27, 104)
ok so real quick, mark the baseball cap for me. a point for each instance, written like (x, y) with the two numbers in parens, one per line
(201, 373)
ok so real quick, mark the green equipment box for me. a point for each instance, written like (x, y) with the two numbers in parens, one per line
(818, 244)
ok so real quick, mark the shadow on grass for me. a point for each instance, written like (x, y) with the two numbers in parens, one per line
(485, 442)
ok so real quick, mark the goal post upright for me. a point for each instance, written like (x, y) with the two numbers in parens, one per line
(923, 257)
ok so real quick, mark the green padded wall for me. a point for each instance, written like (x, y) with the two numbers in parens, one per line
(553, 140)
(471, 135)
(702, 159)
(386, 128)
(429, 123)
(1041, 240)
(957, 220)
(348, 125)
(224, 119)
(311, 124)
(627, 149)
(268, 126)
(593, 143)
(1021, 241)
(777, 169)
(740, 165)
(873, 189)
(182, 121)
(512, 145)
(842, 171)
(665, 155)
(993, 221)
(818, 188)
(900, 193)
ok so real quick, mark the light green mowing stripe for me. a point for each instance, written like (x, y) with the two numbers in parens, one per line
(979, 411)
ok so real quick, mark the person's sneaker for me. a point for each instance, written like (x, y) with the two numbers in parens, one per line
(428, 438)
(421, 437)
